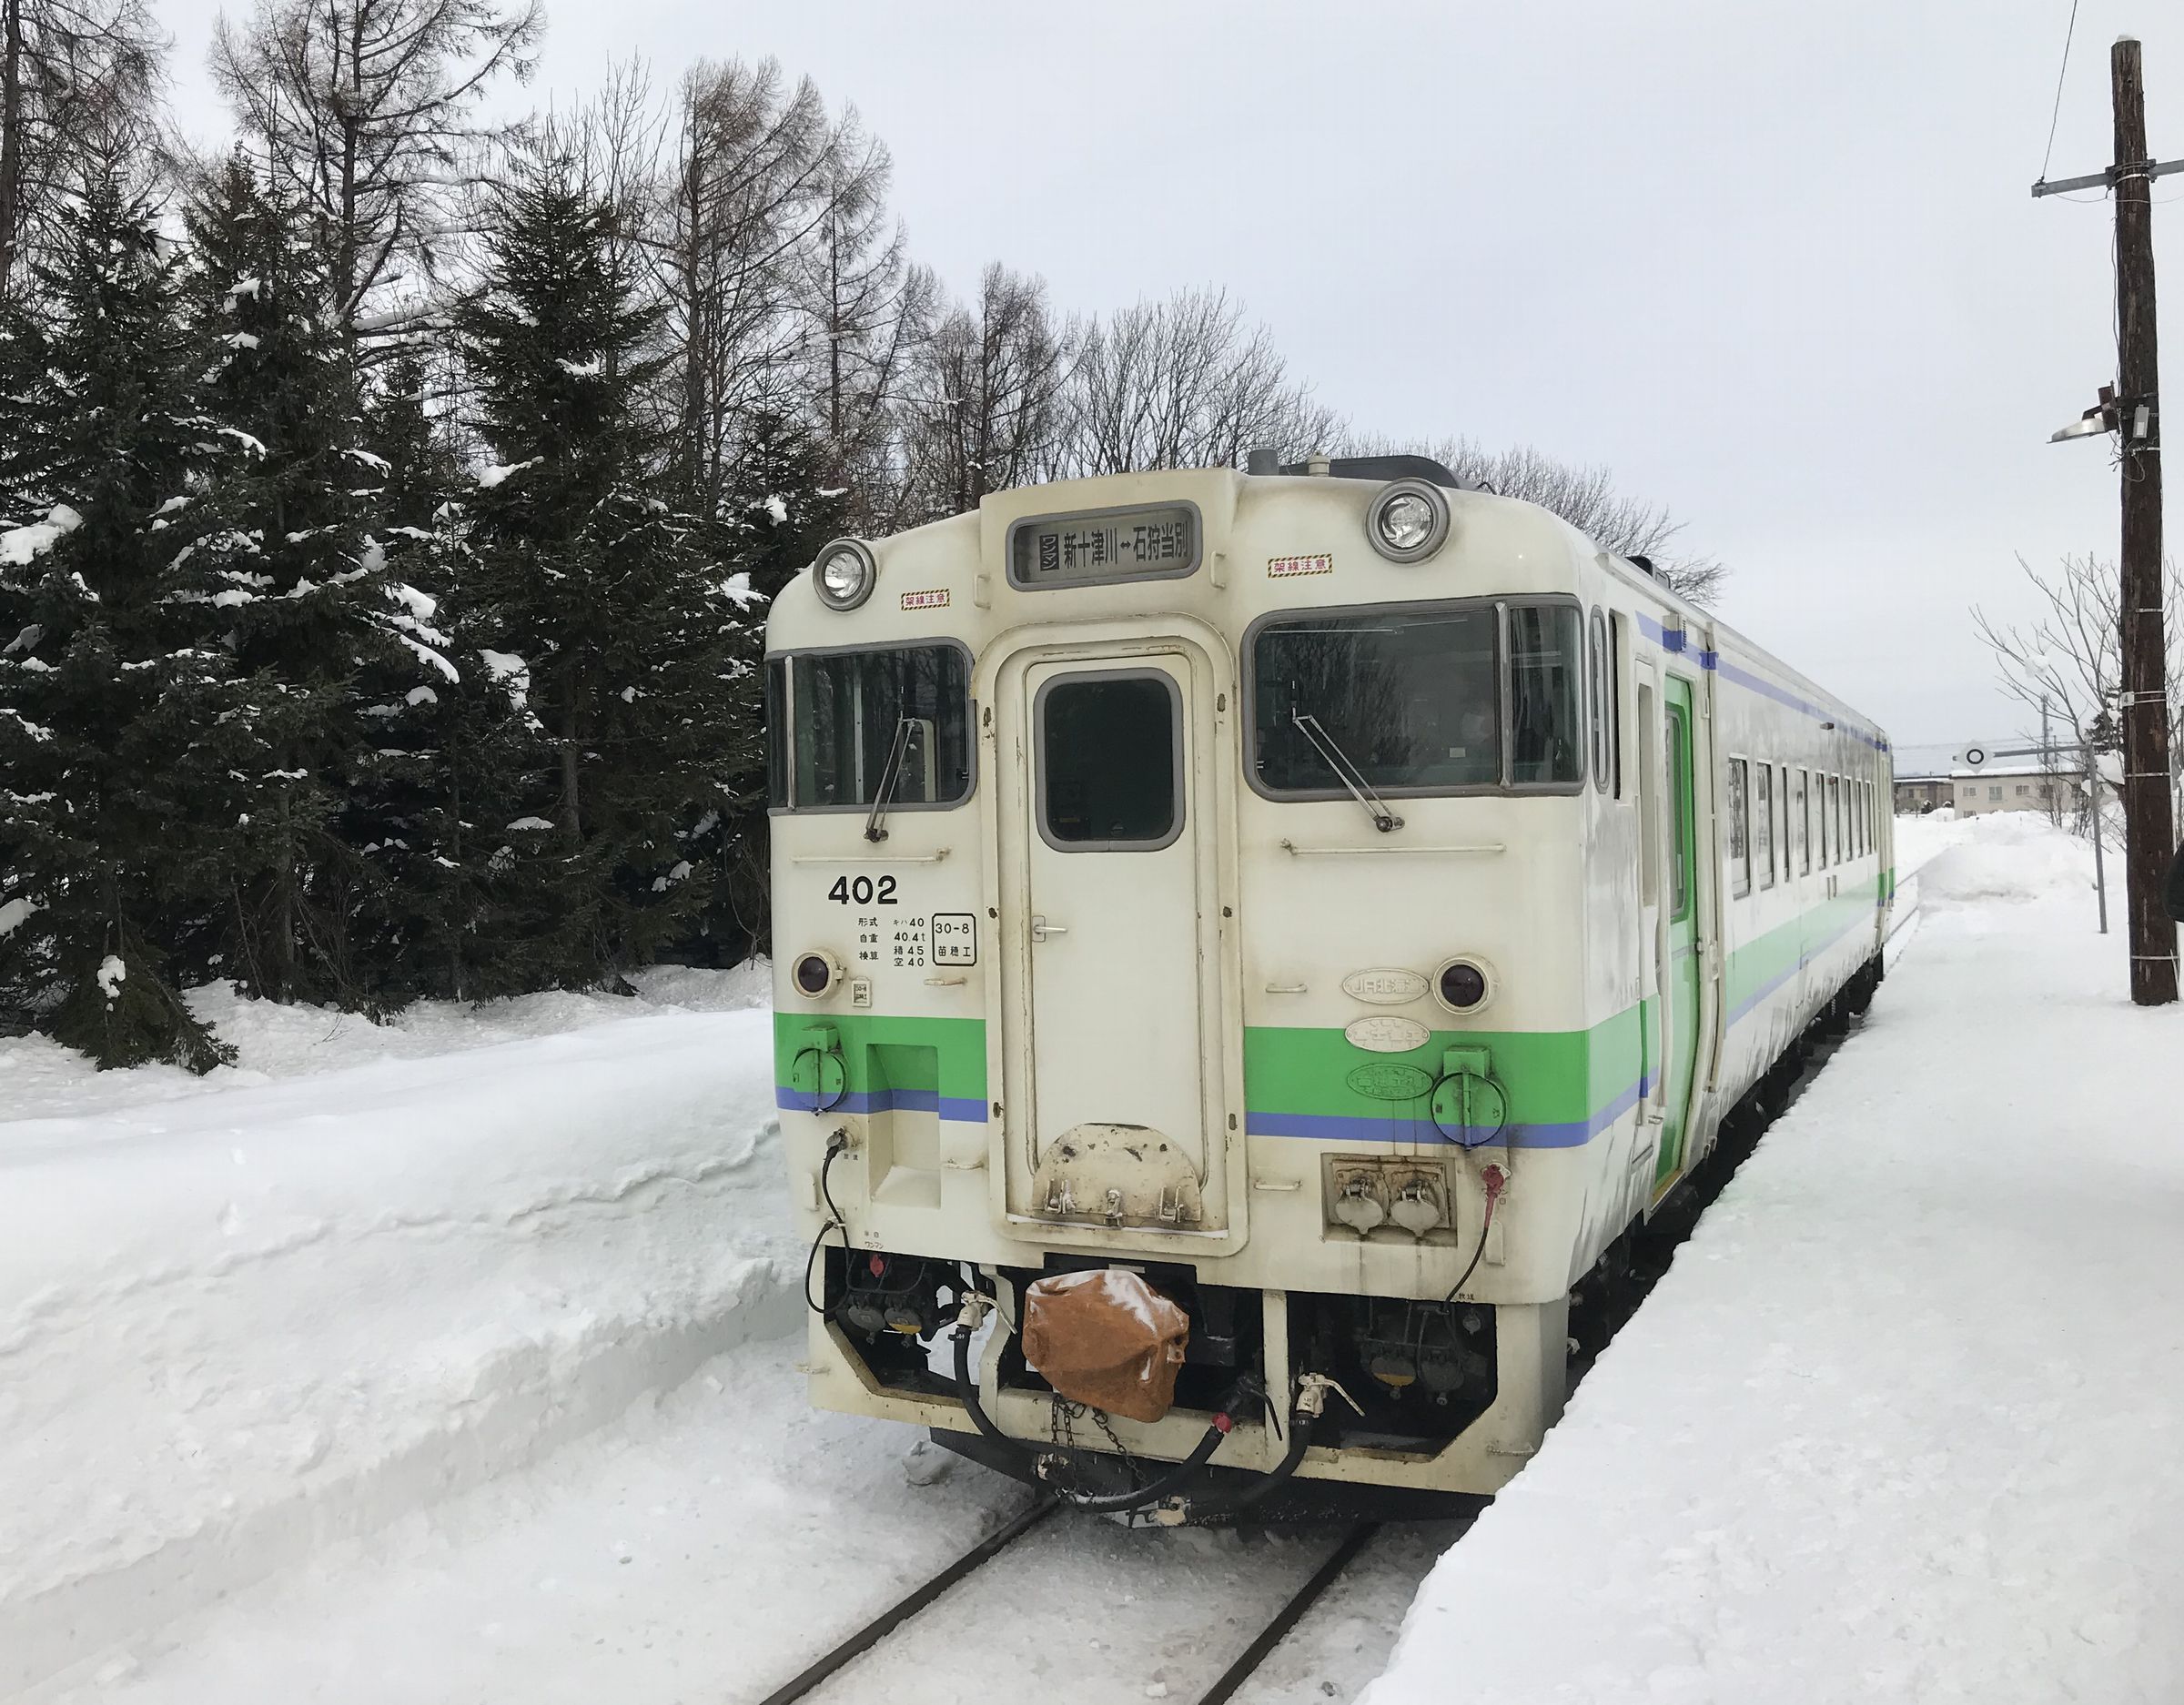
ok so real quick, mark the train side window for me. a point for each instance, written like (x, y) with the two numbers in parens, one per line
(1546, 662)
(1619, 642)
(1781, 792)
(777, 733)
(1597, 682)
(1110, 762)
(1739, 827)
(1802, 821)
(1834, 805)
(1762, 824)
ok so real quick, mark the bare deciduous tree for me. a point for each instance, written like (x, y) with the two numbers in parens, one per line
(369, 111)
(983, 409)
(746, 195)
(865, 306)
(2068, 659)
(71, 72)
(1184, 383)
(1586, 497)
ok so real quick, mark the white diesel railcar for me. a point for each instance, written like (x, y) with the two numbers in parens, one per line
(1350, 902)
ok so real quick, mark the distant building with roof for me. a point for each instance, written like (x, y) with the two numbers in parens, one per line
(1923, 792)
(2014, 787)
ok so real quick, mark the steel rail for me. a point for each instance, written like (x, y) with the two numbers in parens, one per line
(1289, 1616)
(908, 1605)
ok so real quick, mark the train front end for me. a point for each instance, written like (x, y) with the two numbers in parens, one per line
(1178, 878)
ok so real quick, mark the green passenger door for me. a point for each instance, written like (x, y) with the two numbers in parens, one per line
(1680, 976)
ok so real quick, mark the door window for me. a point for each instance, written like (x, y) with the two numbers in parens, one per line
(1679, 781)
(1110, 762)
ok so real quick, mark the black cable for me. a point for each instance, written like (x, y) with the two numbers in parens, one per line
(1479, 1254)
(836, 1147)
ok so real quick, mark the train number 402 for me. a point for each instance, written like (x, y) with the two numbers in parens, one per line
(864, 891)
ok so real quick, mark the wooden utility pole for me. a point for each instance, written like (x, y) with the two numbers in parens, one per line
(2150, 833)
(2135, 415)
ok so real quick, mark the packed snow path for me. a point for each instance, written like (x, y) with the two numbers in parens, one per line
(1905, 1420)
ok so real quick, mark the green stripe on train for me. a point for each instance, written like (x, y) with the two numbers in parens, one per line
(1550, 1077)
(884, 1053)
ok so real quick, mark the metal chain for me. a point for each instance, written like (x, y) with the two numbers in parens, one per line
(1061, 1432)
(1129, 1463)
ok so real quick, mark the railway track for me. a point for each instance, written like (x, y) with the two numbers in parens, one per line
(1224, 1688)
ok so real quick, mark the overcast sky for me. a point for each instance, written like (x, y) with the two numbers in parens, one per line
(1777, 267)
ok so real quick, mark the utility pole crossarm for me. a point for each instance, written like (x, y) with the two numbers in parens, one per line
(2107, 179)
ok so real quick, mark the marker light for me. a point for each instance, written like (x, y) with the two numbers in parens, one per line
(815, 974)
(844, 574)
(1409, 521)
(1463, 987)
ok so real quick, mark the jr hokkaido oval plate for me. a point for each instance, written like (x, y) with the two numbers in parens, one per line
(1385, 1032)
(1385, 986)
(1391, 1080)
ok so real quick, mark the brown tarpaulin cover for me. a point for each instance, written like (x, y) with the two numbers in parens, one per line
(1107, 1339)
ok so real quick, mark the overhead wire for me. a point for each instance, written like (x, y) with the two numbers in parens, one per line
(2055, 118)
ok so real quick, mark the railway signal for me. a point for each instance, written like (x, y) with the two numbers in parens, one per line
(2132, 410)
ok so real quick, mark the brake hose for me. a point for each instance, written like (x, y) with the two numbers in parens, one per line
(1110, 1503)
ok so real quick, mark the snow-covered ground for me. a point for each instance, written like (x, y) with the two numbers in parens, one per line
(369, 1267)
(454, 1358)
(1905, 1420)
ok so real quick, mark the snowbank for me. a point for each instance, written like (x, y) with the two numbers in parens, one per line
(244, 1315)
(2015, 859)
(1905, 1421)
(40, 1078)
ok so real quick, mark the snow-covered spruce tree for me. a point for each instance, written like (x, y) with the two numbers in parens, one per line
(310, 605)
(625, 643)
(780, 512)
(108, 684)
(408, 797)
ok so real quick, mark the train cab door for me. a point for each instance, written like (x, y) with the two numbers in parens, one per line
(1119, 1104)
(1681, 974)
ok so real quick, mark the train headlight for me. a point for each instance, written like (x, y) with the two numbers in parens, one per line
(815, 974)
(1408, 522)
(1464, 986)
(844, 573)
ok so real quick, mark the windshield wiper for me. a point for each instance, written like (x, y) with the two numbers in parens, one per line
(890, 773)
(1347, 772)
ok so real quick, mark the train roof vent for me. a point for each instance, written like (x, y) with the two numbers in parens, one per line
(1365, 468)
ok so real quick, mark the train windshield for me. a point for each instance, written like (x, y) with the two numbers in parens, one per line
(1416, 699)
(833, 717)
